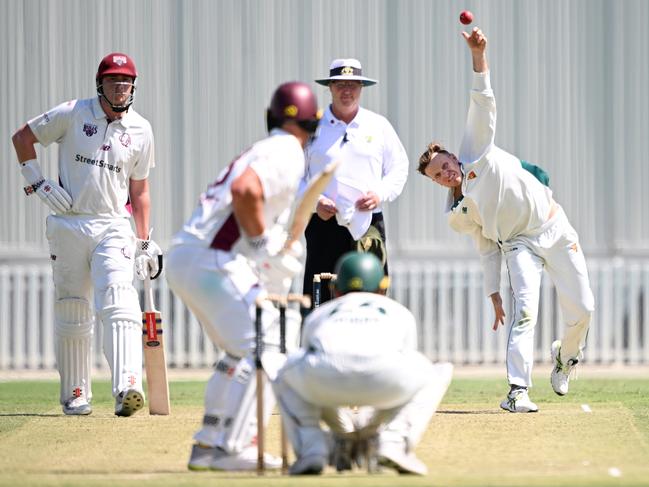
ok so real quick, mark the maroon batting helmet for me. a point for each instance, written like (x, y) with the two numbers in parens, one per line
(294, 101)
(116, 63)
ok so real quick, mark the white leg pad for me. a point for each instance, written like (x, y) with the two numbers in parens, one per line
(230, 420)
(73, 330)
(122, 337)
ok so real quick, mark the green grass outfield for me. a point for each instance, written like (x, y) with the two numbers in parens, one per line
(470, 442)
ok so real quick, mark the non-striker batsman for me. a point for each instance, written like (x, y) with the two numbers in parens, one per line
(105, 155)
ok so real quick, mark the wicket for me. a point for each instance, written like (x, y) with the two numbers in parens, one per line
(317, 286)
(281, 302)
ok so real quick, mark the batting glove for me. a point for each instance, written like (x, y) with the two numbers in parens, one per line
(148, 259)
(47, 190)
(277, 269)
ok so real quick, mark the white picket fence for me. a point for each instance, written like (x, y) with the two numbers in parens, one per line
(446, 297)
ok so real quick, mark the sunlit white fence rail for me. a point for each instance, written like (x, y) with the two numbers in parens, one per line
(453, 315)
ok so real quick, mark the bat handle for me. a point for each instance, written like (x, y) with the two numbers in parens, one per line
(148, 296)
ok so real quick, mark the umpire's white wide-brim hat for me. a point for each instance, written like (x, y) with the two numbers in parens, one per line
(346, 69)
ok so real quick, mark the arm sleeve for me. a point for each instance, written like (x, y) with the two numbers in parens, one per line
(52, 125)
(480, 129)
(395, 166)
(146, 160)
(490, 258)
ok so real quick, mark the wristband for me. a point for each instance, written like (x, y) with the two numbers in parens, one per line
(258, 242)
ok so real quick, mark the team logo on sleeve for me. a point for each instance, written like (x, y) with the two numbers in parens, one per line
(89, 129)
(46, 118)
(125, 139)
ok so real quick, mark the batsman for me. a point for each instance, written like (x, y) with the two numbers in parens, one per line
(231, 250)
(360, 349)
(105, 154)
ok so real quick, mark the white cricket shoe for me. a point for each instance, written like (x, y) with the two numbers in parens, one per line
(245, 460)
(518, 401)
(308, 465)
(396, 458)
(205, 458)
(77, 406)
(128, 402)
(560, 376)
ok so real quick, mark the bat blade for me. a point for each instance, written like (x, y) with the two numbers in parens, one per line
(304, 208)
(155, 361)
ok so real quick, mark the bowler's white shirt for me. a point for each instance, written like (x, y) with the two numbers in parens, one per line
(371, 153)
(278, 161)
(97, 159)
(501, 200)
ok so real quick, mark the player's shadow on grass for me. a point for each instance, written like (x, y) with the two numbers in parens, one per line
(457, 411)
(37, 415)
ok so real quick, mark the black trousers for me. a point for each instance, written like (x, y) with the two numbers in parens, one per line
(326, 242)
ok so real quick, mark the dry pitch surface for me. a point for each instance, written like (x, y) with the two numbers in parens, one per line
(470, 442)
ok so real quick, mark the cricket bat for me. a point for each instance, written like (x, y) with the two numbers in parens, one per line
(154, 355)
(304, 208)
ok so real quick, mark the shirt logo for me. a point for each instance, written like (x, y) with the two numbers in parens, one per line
(46, 118)
(465, 210)
(105, 147)
(125, 139)
(472, 175)
(89, 129)
(119, 60)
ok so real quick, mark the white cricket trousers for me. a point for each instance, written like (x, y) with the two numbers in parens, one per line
(556, 248)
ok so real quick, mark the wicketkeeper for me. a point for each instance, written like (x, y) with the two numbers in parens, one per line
(105, 154)
(509, 212)
(228, 253)
(360, 349)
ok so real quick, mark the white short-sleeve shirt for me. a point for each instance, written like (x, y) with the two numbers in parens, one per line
(369, 150)
(96, 158)
(278, 161)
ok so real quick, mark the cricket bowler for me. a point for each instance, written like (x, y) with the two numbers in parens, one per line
(509, 212)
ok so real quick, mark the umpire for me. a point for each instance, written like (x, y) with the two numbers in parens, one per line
(373, 170)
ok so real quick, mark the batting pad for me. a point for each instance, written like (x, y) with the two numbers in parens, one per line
(231, 405)
(73, 329)
(122, 337)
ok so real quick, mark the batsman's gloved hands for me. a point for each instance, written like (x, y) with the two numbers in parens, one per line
(148, 259)
(47, 190)
(276, 269)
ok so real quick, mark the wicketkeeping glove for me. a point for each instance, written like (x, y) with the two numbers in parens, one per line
(47, 190)
(148, 259)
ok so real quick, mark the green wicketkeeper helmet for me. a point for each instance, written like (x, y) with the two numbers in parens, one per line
(360, 271)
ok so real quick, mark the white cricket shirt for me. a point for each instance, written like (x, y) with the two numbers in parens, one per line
(369, 151)
(359, 325)
(97, 159)
(501, 200)
(278, 161)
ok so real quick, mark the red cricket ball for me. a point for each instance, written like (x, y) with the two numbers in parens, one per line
(466, 17)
